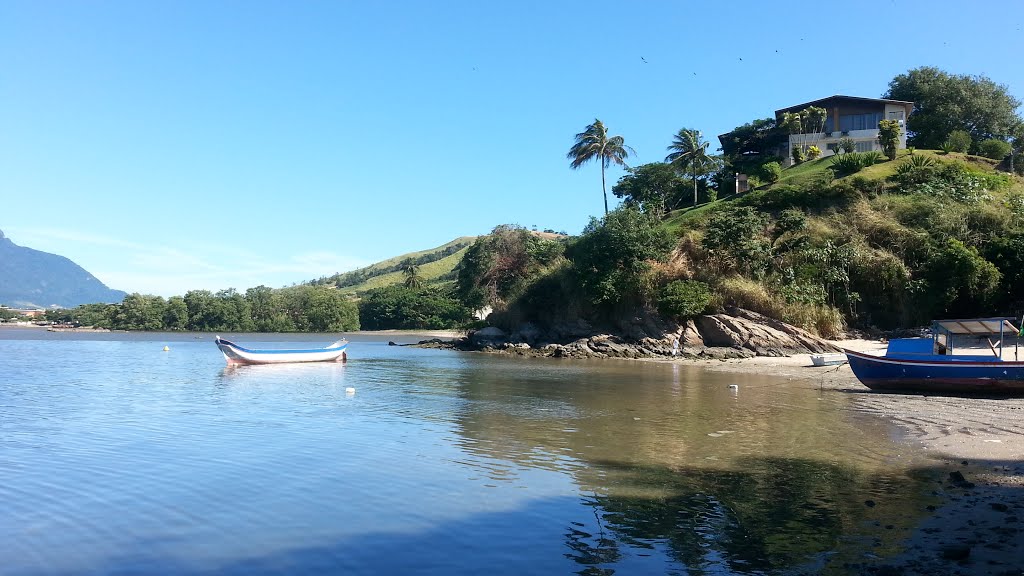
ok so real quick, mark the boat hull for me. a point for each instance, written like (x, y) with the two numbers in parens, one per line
(235, 354)
(884, 373)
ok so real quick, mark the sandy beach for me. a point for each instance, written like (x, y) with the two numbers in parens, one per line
(980, 441)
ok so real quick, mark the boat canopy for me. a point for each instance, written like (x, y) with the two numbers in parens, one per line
(944, 332)
(977, 327)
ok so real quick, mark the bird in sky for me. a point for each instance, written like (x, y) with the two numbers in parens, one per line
(642, 58)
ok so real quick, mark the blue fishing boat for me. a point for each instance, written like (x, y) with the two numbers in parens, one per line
(930, 364)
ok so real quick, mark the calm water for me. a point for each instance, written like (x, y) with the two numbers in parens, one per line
(117, 457)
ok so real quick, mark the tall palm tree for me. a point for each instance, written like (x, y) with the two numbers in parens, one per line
(594, 144)
(412, 275)
(688, 151)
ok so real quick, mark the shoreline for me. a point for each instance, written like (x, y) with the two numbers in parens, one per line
(979, 529)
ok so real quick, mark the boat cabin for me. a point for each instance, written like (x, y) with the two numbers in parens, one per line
(949, 334)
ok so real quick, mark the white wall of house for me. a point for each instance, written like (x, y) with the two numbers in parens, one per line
(898, 112)
(866, 140)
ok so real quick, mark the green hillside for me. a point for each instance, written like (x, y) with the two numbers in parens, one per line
(820, 171)
(436, 265)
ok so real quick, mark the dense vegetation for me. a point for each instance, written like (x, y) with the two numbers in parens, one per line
(261, 309)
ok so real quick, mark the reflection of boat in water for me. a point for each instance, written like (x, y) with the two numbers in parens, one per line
(929, 364)
(235, 354)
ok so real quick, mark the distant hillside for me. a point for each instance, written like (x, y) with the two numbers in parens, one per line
(33, 279)
(436, 265)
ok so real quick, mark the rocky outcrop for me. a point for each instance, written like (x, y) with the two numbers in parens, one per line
(737, 333)
(762, 335)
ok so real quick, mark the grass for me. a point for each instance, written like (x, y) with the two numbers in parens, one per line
(804, 172)
(676, 221)
(430, 271)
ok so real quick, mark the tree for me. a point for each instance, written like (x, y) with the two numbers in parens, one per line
(688, 151)
(595, 144)
(808, 122)
(612, 259)
(655, 188)
(736, 237)
(398, 307)
(176, 314)
(140, 312)
(412, 275)
(498, 266)
(994, 148)
(945, 102)
(753, 144)
(889, 137)
(958, 141)
(328, 310)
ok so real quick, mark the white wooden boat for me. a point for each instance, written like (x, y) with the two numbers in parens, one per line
(828, 359)
(235, 354)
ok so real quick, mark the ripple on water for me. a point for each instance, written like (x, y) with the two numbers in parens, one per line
(123, 458)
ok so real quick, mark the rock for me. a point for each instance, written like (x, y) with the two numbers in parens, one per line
(759, 334)
(489, 336)
(956, 551)
(869, 503)
(957, 480)
(392, 343)
(690, 337)
(999, 506)
(527, 332)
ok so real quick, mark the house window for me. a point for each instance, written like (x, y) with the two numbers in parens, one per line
(859, 121)
(865, 146)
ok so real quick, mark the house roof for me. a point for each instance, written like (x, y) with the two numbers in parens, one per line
(859, 99)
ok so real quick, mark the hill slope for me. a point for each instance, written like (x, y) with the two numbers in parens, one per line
(436, 265)
(34, 279)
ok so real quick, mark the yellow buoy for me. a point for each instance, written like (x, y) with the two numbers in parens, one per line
(167, 348)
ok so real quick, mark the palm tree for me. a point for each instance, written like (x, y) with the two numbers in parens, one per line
(412, 275)
(688, 151)
(594, 144)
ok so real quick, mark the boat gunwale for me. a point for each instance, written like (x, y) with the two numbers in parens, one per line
(933, 363)
(222, 342)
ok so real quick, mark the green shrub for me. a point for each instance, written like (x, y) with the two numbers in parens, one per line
(847, 145)
(612, 257)
(813, 152)
(736, 236)
(847, 163)
(946, 147)
(684, 299)
(771, 172)
(798, 154)
(994, 148)
(913, 165)
(870, 158)
(790, 220)
(921, 161)
(889, 137)
(959, 141)
(910, 150)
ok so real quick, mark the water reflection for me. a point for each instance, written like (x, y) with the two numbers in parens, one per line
(123, 458)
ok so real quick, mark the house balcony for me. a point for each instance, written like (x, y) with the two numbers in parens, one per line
(833, 136)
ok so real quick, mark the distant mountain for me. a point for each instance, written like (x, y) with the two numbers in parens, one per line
(436, 266)
(33, 279)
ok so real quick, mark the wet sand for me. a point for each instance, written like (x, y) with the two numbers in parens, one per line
(980, 528)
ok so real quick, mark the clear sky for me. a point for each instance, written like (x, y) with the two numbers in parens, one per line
(174, 145)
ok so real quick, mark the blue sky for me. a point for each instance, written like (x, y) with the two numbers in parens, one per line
(168, 146)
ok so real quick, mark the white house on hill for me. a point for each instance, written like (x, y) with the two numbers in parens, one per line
(848, 117)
